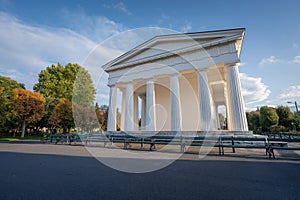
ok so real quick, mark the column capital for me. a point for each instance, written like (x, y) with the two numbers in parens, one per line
(236, 64)
(174, 74)
(111, 85)
(152, 79)
(143, 95)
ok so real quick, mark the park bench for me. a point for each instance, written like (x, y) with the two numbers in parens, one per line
(51, 138)
(63, 138)
(257, 142)
(221, 142)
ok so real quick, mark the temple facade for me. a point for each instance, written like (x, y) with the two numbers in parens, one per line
(178, 83)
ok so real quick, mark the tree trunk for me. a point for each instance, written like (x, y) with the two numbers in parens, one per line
(23, 128)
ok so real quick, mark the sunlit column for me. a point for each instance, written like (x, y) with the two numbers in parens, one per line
(123, 110)
(143, 113)
(176, 117)
(150, 106)
(205, 102)
(236, 101)
(111, 121)
(136, 112)
(129, 122)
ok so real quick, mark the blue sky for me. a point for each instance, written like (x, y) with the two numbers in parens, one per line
(35, 34)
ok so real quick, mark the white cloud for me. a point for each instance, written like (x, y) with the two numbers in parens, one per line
(96, 28)
(296, 59)
(26, 50)
(253, 89)
(291, 93)
(274, 60)
(270, 60)
(120, 7)
(186, 27)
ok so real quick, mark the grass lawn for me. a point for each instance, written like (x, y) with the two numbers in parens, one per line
(31, 137)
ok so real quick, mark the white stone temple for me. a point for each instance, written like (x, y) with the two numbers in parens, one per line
(178, 83)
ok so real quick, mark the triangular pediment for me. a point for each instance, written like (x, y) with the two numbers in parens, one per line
(166, 45)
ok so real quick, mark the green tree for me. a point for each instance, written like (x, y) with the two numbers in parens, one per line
(85, 118)
(29, 106)
(222, 121)
(84, 91)
(62, 116)
(268, 117)
(8, 85)
(6, 106)
(285, 116)
(3, 107)
(58, 82)
(102, 115)
(253, 120)
(296, 120)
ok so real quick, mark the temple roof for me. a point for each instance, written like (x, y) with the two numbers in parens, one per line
(167, 45)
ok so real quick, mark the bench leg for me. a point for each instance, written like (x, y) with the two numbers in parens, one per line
(233, 149)
(270, 151)
(152, 146)
(182, 148)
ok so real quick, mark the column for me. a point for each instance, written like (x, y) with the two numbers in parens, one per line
(205, 104)
(236, 101)
(217, 117)
(136, 112)
(111, 121)
(123, 110)
(143, 113)
(150, 106)
(228, 109)
(176, 117)
(129, 122)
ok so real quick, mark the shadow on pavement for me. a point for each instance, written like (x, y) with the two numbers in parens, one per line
(42, 176)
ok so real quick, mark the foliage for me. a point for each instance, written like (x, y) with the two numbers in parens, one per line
(8, 85)
(62, 115)
(285, 116)
(58, 82)
(29, 106)
(3, 107)
(6, 114)
(268, 117)
(85, 118)
(102, 115)
(253, 120)
(296, 120)
(277, 128)
(84, 91)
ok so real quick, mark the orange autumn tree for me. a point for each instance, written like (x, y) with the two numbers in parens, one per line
(29, 106)
(62, 116)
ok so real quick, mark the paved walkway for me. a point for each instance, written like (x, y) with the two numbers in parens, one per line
(35, 171)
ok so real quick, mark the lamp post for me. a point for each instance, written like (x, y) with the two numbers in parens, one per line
(296, 105)
(297, 111)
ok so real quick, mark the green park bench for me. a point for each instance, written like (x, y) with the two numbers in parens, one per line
(221, 142)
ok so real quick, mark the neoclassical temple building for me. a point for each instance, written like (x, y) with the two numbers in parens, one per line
(178, 83)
